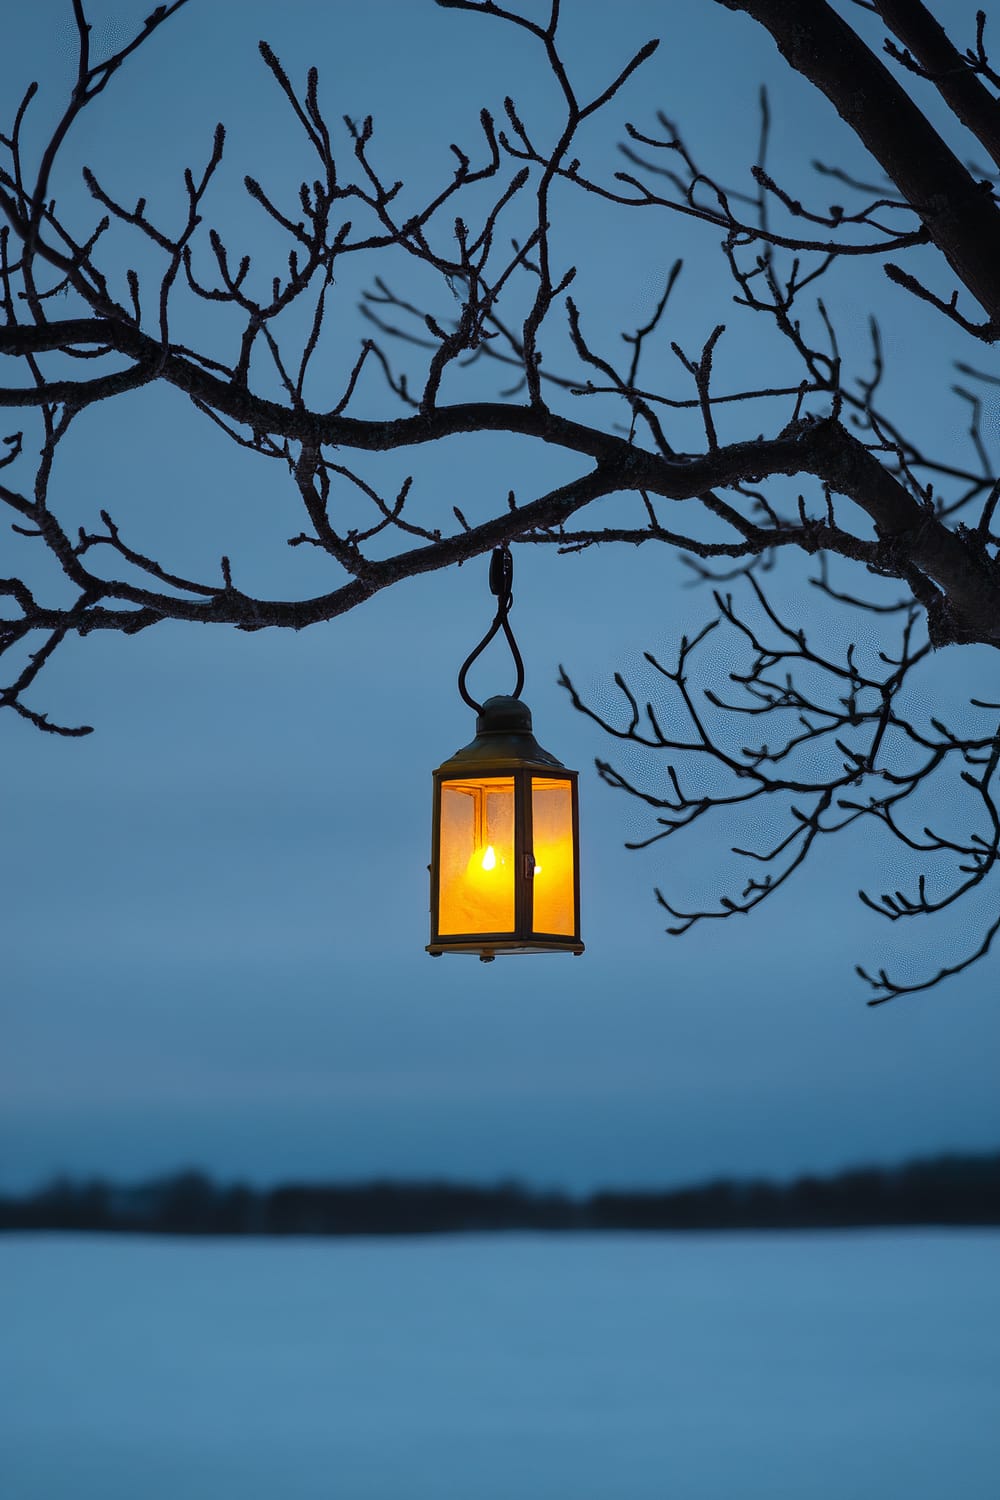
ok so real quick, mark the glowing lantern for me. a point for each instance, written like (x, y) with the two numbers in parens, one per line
(505, 859)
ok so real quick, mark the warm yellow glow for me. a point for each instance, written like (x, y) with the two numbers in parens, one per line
(486, 881)
(553, 886)
(476, 877)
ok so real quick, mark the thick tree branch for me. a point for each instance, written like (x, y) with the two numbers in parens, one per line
(942, 63)
(959, 213)
(825, 450)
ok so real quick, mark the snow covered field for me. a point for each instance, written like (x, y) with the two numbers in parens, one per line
(502, 1367)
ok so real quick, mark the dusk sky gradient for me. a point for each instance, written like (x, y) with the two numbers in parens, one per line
(215, 906)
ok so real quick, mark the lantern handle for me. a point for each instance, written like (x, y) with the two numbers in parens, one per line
(501, 585)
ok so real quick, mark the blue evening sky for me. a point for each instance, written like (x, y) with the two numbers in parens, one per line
(215, 907)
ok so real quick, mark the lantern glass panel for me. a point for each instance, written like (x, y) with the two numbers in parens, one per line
(552, 838)
(476, 861)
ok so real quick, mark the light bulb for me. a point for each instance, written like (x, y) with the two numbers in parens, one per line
(489, 858)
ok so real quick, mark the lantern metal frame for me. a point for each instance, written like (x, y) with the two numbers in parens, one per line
(505, 749)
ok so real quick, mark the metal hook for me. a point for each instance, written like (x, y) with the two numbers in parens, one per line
(501, 585)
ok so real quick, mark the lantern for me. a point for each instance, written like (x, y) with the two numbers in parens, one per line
(505, 857)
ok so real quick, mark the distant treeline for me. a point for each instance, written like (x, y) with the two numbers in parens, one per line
(944, 1190)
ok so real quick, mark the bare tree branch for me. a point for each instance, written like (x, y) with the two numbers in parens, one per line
(674, 451)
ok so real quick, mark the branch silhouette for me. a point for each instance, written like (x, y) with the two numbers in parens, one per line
(495, 298)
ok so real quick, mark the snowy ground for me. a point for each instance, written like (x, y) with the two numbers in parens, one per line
(502, 1367)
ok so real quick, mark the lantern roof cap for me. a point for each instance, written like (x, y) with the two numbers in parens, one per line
(503, 737)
